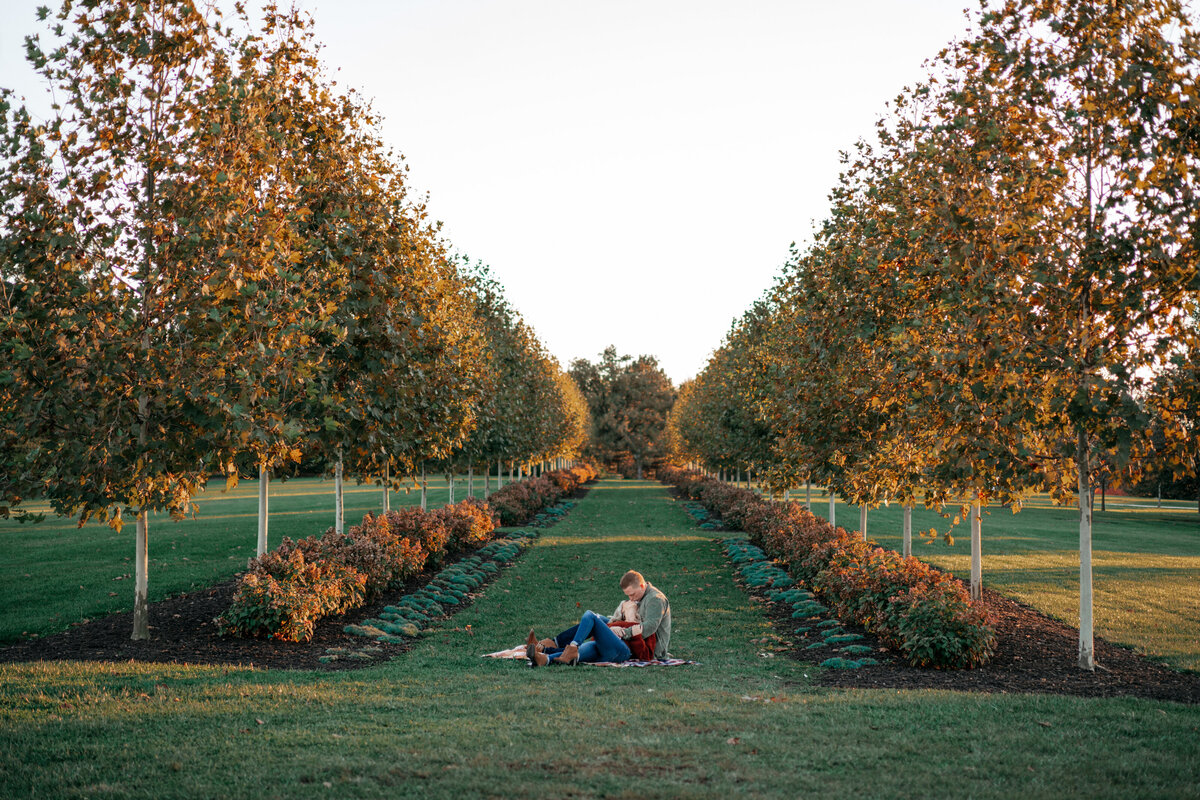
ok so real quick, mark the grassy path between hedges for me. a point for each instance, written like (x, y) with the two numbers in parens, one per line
(442, 722)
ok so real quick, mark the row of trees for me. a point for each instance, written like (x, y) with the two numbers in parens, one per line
(1004, 296)
(208, 257)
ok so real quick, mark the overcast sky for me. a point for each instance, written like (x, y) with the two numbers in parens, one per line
(632, 171)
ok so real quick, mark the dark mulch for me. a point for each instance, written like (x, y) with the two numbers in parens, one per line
(1034, 654)
(182, 632)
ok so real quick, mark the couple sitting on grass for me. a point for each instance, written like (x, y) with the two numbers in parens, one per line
(639, 629)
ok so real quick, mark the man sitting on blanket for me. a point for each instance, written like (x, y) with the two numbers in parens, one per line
(640, 627)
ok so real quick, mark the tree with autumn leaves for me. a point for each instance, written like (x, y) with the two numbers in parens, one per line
(209, 255)
(1002, 274)
(132, 270)
(628, 400)
(529, 411)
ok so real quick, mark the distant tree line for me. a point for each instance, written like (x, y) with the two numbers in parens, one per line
(629, 400)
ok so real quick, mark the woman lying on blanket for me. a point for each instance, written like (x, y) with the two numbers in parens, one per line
(640, 628)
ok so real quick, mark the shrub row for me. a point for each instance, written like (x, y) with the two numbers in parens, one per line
(284, 593)
(449, 588)
(519, 501)
(924, 613)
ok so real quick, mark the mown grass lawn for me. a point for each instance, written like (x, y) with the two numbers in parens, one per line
(1146, 565)
(440, 721)
(53, 573)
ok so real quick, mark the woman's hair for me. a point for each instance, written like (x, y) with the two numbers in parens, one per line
(631, 578)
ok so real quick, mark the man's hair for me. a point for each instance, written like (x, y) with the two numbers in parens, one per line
(631, 578)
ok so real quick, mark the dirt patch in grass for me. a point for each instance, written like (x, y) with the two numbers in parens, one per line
(182, 631)
(1034, 654)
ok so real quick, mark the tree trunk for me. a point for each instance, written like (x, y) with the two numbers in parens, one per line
(470, 479)
(832, 509)
(141, 556)
(338, 496)
(141, 609)
(862, 521)
(808, 495)
(1104, 494)
(976, 555)
(263, 478)
(907, 531)
(1086, 653)
(499, 474)
(450, 488)
(487, 480)
(387, 497)
(424, 488)
(639, 469)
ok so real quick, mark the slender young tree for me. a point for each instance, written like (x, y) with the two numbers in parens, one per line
(127, 336)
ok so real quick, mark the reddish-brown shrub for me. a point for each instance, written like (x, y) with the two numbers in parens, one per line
(470, 523)
(284, 594)
(519, 501)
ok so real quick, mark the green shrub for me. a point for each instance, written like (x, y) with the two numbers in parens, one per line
(841, 663)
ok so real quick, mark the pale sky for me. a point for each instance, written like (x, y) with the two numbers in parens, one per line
(632, 171)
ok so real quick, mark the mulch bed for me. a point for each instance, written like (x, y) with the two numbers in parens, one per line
(182, 631)
(1034, 654)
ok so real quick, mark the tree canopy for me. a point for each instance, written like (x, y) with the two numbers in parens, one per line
(629, 400)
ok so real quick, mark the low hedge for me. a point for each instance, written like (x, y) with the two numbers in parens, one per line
(284, 593)
(519, 501)
(924, 613)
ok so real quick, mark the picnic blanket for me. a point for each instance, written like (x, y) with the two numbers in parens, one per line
(519, 652)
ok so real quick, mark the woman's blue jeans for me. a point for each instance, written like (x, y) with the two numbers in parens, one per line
(604, 645)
